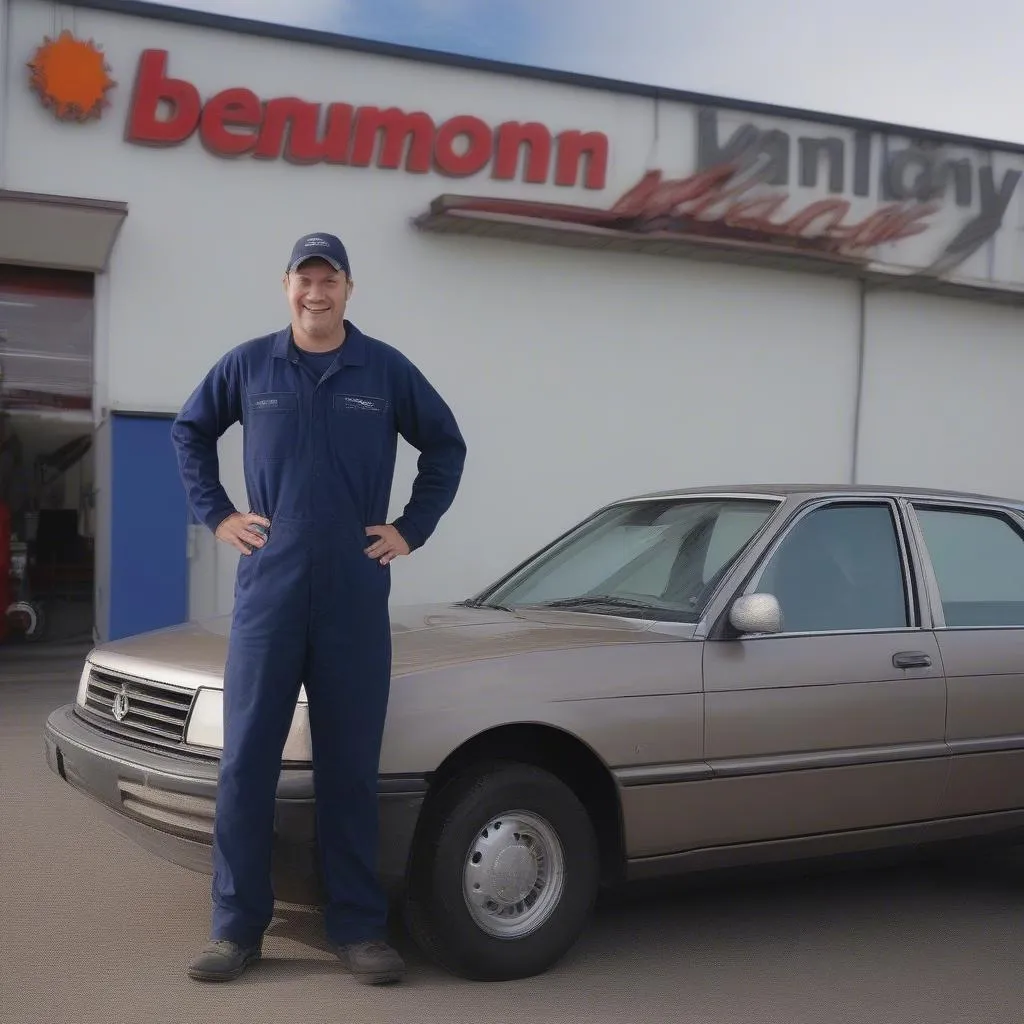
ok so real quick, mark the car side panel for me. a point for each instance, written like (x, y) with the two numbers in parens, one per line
(810, 734)
(985, 673)
(725, 812)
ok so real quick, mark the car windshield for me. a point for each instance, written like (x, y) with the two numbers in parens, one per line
(658, 559)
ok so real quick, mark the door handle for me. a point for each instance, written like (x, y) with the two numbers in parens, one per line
(911, 659)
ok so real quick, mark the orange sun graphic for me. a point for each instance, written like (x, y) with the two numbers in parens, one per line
(72, 77)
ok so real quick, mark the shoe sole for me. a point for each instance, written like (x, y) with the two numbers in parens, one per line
(378, 977)
(391, 977)
(199, 975)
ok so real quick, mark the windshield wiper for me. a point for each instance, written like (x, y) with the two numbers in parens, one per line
(474, 603)
(598, 601)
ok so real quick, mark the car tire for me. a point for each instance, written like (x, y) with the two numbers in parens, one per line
(460, 849)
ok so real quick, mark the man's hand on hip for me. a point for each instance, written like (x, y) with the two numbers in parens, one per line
(389, 544)
(237, 531)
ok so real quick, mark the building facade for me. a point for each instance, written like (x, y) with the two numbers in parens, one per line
(617, 288)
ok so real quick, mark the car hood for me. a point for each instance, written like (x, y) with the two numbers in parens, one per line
(424, 638)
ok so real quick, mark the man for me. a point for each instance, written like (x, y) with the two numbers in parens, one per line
(322, 406)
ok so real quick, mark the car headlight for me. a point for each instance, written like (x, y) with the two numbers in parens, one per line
(83, 684)
(206, 725)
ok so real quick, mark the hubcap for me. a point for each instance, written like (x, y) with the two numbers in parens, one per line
(514, 875)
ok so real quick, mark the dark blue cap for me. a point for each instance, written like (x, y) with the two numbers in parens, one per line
(320, 246)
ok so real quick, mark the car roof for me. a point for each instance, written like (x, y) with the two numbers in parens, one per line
(808, 490)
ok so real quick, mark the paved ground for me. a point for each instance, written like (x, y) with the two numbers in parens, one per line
(94, 930)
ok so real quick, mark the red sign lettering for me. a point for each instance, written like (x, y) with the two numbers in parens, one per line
(153, 87)
(394, 130)
(712, 205)
(167, 111)
(230, 109)
(511, 139)
(697, 204)
(476, 152)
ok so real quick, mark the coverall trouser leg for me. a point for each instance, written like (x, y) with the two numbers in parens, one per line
(263, 673)
(261, 690)
(347, 683)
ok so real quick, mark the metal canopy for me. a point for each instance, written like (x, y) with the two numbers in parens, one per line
(444, 216)
(60, 232)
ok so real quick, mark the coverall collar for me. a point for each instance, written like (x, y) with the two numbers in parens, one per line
(353, 351)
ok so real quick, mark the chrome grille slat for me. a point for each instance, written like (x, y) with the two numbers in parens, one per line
(146, 705)
(154, 716)
(144, 699)
(112, 681)
(155, 709)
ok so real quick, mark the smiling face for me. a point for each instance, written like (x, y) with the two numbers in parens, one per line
(317, 295)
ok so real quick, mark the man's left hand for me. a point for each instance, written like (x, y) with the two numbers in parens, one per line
(388, 546)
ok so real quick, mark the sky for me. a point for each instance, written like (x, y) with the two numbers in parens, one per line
(947, 65)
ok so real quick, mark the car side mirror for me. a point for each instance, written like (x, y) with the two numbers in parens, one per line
(756, 613)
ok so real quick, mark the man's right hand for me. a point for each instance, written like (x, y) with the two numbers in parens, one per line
(237, 531)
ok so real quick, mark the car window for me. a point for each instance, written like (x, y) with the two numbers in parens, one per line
(978, 558)
(839, 568)
(732, 531)
(663, 556)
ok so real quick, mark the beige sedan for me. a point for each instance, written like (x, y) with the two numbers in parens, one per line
(685, 680)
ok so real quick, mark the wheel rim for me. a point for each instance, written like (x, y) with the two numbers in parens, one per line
(24, 616)
(514, 875)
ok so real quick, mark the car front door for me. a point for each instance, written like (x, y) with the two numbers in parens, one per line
(838, 721)
(976, 574)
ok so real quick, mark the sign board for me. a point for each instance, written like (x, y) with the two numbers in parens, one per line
(863, 199)
(859, 198)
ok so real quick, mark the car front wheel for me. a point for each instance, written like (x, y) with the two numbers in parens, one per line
(504, 873)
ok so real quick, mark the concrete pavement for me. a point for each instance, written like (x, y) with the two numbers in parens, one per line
(93, 929)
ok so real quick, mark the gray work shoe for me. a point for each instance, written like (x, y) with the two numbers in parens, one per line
(223, 960)
(372, 963)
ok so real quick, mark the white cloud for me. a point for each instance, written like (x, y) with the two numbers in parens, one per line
(946, 64)
(942, 64)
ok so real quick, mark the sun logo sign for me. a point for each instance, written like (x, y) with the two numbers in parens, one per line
(71, 77)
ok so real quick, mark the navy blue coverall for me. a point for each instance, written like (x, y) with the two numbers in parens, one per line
(310, 606)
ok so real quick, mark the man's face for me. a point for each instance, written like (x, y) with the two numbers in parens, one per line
(317, 295)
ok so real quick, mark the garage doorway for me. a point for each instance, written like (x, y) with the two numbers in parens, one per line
(47, 478)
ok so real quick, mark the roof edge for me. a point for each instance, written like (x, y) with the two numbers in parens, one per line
(829, 490)
(339, 41)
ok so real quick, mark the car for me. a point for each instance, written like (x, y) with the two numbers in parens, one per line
(684, 680)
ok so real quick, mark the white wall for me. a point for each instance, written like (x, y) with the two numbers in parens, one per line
(943, 386)
(577, 376)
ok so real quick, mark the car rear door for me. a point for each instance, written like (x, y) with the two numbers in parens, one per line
(976, 579)
(838, 722)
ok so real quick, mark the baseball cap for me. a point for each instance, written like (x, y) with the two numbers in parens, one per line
(319, 246)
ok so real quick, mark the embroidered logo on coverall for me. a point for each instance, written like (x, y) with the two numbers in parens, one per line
(359, 403)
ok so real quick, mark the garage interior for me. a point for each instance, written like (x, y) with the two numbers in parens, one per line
(47, 479)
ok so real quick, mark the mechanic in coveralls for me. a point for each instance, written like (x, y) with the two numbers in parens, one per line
(322, 406)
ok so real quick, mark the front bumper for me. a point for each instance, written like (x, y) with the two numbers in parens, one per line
(165, 803)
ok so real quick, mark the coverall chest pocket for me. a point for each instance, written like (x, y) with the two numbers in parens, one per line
(360, 424)
(272, 426)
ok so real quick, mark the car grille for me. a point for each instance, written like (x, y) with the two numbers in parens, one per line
(153, 709)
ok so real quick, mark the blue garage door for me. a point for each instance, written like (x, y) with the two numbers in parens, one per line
(148, 528)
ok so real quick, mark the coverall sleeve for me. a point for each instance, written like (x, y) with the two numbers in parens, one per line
(427, 423)
(213, 407)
